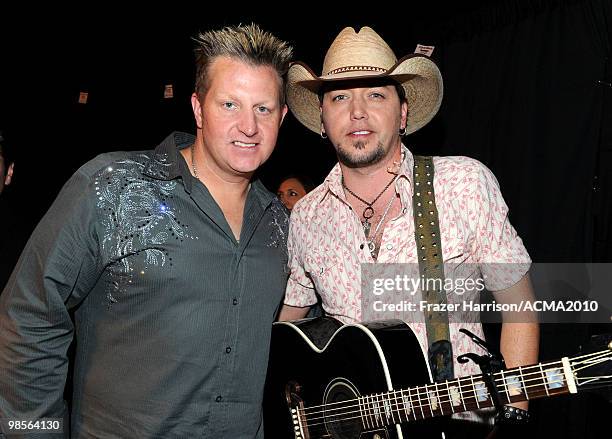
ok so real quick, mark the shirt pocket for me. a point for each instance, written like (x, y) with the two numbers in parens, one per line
(320, 266)
(331, 279)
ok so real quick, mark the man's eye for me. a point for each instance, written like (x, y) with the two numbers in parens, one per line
(377, 95)
(262, 109)
(229, 105)
(293, 193)
(338, 98)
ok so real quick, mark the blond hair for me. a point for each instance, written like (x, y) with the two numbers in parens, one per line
(247, 43)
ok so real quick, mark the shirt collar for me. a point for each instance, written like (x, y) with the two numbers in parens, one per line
(407, 165)
(264, 196)
(167, 162)
(333, 181)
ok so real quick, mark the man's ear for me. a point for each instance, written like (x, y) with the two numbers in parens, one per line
(322, 126)
(285, 110)
(197, 109)
(9, 174)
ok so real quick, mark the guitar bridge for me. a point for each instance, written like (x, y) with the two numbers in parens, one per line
(296, 408)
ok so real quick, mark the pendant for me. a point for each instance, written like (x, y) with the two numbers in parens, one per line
(368, 212)
(366, 228)
(371, 247)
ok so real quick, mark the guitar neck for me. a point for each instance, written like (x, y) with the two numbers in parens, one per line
(468, 393)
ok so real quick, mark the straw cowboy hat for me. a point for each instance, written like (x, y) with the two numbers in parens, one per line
(361, 55)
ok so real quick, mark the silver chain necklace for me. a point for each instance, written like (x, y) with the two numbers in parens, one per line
(193, 163)
(368, 212)
(372, 240)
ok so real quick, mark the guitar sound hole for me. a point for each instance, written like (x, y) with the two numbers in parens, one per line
(342, 416)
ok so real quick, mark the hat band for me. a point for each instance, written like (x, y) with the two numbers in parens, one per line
(356, 69)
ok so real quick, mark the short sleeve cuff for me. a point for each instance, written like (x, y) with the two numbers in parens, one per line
(502, 276)
(298, 295)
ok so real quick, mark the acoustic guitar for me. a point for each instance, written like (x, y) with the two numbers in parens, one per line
(372, 381)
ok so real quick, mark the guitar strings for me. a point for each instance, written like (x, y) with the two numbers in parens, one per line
(393, 398)
(367, 424)
(471, 380)
(593, 362)
(375, 418)
(425, 405)
(399, 404)
(503, 379)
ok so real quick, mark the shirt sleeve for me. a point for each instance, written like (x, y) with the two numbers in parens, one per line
(502, 257)
(300, 289)
(56, 270)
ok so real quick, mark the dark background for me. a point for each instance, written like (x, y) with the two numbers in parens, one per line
(527, 92)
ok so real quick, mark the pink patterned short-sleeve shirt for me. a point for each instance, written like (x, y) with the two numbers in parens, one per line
(327, 244)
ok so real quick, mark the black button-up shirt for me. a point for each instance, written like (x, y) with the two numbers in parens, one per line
(172, 314)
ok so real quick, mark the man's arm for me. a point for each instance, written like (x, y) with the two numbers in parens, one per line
(300, 292)
(520, 333)
(55, 271)
(293, 312)
(503, 258)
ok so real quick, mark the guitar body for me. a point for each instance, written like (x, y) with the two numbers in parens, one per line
(319, 361)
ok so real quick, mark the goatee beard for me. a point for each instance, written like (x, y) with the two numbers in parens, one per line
(348, 159)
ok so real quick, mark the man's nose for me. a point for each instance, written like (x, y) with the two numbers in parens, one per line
(248, 124)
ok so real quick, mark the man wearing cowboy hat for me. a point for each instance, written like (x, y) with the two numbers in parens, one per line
(364, 102)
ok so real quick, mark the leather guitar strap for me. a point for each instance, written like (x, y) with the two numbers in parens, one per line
(429, 251)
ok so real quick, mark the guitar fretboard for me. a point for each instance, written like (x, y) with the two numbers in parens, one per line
(463, 394)
(453, 396)
(460, 395)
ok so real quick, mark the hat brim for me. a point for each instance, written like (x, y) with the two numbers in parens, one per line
(417, 74)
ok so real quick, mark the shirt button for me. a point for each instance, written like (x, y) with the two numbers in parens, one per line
(228, 350)
(219, 398)
(389, 246)
(235, 301)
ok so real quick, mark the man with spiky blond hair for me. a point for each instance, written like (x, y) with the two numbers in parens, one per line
(174, 263)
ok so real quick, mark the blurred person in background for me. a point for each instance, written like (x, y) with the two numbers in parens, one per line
(7, 164)
(292, 188)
